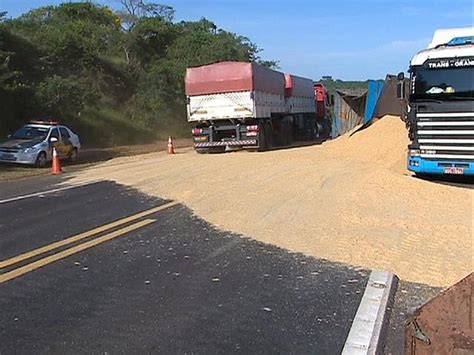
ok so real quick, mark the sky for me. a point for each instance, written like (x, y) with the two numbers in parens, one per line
(347, 39)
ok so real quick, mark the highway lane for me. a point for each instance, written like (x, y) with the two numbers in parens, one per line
(173, 284)
(21, 187)
(46, 218)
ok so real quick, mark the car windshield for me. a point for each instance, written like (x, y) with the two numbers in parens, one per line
(443, 84)
(30, 132)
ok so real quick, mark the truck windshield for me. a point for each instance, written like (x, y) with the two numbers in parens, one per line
(29, 132)
(443, 84)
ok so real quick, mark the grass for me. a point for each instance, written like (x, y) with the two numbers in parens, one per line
(112, 127)
(109, 127)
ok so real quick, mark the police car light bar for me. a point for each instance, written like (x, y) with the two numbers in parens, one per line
(48, 122)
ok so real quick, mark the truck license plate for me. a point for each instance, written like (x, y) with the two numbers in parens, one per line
(454, 171)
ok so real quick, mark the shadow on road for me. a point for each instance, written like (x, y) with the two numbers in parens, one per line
(451, 180)
(179, 285)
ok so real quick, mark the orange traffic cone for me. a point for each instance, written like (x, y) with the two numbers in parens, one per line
(170, 146)
(56, 169)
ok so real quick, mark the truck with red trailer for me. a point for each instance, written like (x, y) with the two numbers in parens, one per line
(235, 105)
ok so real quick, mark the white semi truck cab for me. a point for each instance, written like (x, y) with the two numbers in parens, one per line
(441, 105)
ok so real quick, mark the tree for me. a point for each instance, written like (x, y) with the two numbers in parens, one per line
(62, 95)
(73, 35)
(134, 10)
(123, 70)
(148, 39)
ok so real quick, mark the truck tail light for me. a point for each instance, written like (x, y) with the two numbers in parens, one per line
(252, 131)
(197, 131)
(253, 128)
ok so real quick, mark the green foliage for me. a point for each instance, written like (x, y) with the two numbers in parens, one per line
(134, 10)
(65, 95)
(71, 36)
(115, 76)
(333, 85)
(148, 40)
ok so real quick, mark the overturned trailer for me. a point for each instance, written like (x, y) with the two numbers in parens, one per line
(237, 105)
(361, 107)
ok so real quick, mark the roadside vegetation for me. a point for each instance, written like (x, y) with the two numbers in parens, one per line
(116, 77)
(332, 85)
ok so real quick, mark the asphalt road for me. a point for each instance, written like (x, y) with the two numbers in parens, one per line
(162, 282)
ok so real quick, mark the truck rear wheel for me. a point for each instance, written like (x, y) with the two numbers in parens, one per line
(262, 137)
(289, 136)
(287, 133)
(269, 134)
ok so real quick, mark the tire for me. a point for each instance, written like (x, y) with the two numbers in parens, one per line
(327, 129)
(314, 131)
(41, 160)
(269, 134)
(73, 156)
(262, 137)
(320, 130)
(289, 135)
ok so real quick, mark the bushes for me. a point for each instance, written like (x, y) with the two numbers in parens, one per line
(117, 77)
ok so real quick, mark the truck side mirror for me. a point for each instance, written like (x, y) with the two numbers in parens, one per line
(400, 76)
(53, 139)
(9, 136)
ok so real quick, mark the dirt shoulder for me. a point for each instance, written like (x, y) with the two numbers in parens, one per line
(350, 200)
(88, 157)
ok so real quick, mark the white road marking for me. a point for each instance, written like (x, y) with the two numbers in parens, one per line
(366, 331)
(42, 194)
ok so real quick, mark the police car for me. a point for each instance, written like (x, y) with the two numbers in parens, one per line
(33, 144)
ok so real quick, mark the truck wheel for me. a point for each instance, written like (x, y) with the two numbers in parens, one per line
(327, 129)
(289, 134)
(286, 134)
(262, 137)
(320, 130)
(269, 135)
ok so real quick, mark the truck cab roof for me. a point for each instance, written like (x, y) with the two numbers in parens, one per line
(445, 35)
(466, 50)
(447, 43)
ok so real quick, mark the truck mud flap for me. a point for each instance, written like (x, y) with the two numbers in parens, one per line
(445, 324)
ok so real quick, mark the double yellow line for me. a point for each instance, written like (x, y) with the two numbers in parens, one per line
(80, 247)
